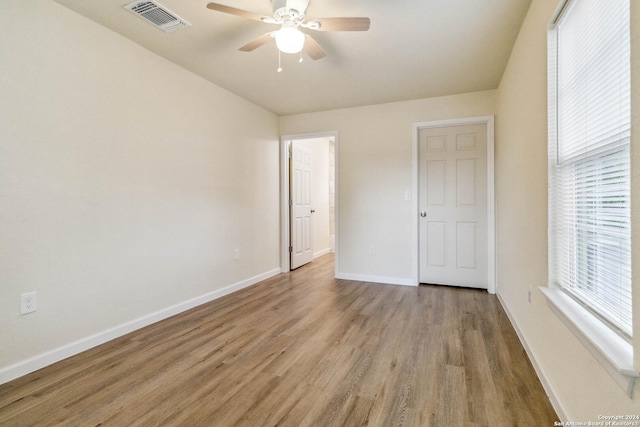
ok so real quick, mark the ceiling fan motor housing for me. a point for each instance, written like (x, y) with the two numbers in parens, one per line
(282, 7)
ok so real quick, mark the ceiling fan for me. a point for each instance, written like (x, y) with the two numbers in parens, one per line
(290, 15)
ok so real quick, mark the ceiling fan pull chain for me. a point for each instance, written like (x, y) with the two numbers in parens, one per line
(301, 58)
(279, 61)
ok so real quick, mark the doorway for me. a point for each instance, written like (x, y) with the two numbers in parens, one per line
(455, 214)
(308, 198)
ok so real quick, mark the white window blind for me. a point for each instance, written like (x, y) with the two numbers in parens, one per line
(589, 167)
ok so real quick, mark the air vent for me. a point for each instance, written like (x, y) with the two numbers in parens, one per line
(158, 15)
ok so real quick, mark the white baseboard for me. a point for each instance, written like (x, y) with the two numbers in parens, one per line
(553, 396)
(40, 361)
(321, 253)
(376, 279)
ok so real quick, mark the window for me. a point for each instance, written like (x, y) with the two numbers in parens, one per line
(589, 158)
(589, 179)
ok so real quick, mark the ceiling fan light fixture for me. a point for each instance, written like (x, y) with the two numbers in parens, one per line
(291, 15)
(289, 40)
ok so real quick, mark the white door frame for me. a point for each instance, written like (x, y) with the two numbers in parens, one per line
(285, 142)
(491, 212)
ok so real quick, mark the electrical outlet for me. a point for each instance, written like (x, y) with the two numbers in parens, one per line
(236, 254)
(372, 250)
(28, 302)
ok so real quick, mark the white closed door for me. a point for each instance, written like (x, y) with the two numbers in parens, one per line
(301, 247)
(453, 205)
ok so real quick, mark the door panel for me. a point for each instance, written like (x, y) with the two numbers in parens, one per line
(466, 244)
(453, 205)
(465, 182)
(436, 245)
(436, 183)
(301, 230)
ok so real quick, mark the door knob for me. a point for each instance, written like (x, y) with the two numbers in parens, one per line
(423, 214)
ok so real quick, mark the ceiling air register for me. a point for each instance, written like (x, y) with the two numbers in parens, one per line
(158, 15)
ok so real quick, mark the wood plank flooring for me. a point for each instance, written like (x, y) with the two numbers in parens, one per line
(300, 349)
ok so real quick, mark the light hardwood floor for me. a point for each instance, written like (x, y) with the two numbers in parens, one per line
(300, 349)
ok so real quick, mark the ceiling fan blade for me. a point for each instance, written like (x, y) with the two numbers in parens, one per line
(234, 11)
(313, 49)
(256, 43)
(341, 24)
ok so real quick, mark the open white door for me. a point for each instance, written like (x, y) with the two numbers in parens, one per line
(301, 213)
(453, 205)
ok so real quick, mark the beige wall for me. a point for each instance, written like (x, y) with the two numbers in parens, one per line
(374, 158)
(126, 183)
(582, 388)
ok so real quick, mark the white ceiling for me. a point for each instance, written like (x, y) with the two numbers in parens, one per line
(414, 49)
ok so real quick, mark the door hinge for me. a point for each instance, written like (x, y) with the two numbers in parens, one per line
(290, 249)
(290, 202)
